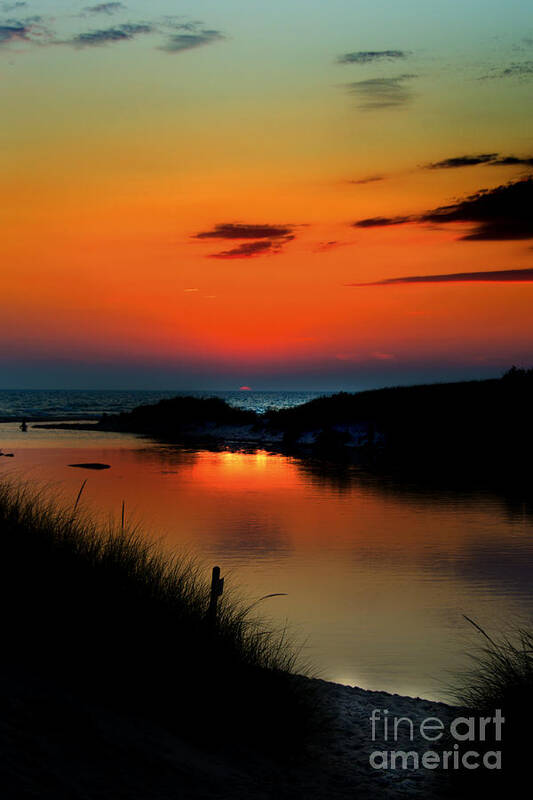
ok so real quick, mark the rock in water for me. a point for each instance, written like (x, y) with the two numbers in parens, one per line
(94, 465)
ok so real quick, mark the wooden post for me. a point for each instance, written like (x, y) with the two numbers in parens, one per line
(217, 587)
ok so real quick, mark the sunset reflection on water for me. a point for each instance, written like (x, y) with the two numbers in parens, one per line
(377, 575)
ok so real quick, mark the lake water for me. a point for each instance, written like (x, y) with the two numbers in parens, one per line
(377, 574)
(61, 404)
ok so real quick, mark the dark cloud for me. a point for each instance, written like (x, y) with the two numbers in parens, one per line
(379, 93)
(105, 8)
(490, 276)
(180, 42)
(13, 6)
(181, 34)
(230, 230)
(462, 161)
(261, 239)
(119, 33)
(248, 250)
(324, 247)
(511, 161)
(369, 56)
(499, 214)
(13, 32)
(522, 70)
(30, 29)
(382, 222)
(370, 179)
(179, 25)
(492, 159)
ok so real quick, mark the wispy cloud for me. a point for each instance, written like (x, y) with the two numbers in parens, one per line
(369, 179)
(105, 8)
(380, 93)
(491, 159)
(31, 30)
(324, 247)
(462, 161)
(508, 161)
(522, 70)
(248, 250)
(383, 222)
(178, 33)
(13, 32)
(488, 276)
(370, 56)
(7, 7)
(179, 42)
(499, 214)
(230, 230)
(259, 239)
(118, 33)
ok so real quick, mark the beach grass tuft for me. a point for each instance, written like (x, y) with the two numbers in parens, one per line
(108, 614)
(502, 672)
(501, 677)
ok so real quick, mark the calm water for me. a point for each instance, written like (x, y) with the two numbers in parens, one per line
(79, 404)
(377, 575)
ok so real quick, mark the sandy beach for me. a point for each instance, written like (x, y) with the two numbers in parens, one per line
(54, 746)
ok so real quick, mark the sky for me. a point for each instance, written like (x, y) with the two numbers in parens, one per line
(299, 195)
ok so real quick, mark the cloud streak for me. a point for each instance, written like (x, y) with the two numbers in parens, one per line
(178, 35)
(370, 179)
(489, 159)
(180, 42)
(30, 30)
(13, 6)
(381, 93)
(507, 161)
(119, 33)
(247, 250)
(370, 56)
(14, 32)
(499, 214)
(105, 8)
(382, 222)
(230, 230)
(489, 276)
(258, 239)
(462, 161)
(522, 70)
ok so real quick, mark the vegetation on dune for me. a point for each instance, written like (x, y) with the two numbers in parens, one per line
(487, 414)
(502, 675)
(112, 618)
(480, 427)
(177, 415)
(501, 678)
(471, 418)
(429, 403)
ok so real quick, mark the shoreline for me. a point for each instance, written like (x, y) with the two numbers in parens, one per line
(348, 752)
(95, 751)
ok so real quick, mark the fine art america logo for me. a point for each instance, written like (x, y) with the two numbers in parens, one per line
(465, 738)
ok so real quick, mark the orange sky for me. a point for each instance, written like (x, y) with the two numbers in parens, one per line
(126, 136)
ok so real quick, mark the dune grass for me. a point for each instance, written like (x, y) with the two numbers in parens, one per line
(501, 677)
(113, 617)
